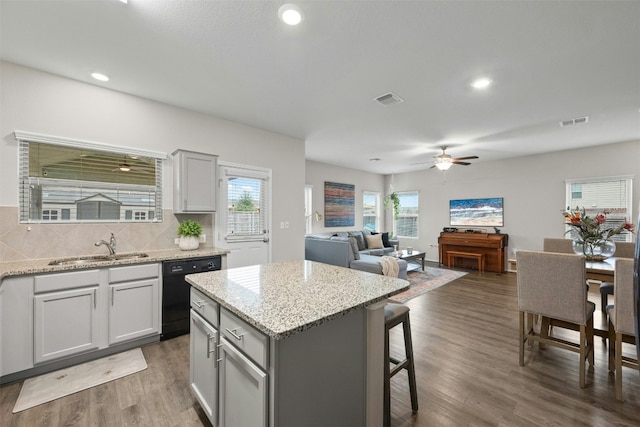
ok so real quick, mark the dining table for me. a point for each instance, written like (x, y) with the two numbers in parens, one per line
(602, 271)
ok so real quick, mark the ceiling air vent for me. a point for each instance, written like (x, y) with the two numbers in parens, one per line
(576, 121)
(388, 99)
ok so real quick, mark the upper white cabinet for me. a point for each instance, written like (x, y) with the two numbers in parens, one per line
(194, 182)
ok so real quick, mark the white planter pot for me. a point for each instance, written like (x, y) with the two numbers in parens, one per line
(188, 243)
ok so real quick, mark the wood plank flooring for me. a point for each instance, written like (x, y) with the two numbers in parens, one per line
(465, 338)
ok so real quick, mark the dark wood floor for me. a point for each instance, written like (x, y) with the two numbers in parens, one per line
(465, 341)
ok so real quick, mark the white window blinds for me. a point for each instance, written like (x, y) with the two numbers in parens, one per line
(406, 225)
(246, 204)
(595, 195)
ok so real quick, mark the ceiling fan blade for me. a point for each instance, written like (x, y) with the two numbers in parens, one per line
(461, 163)
(466, 158)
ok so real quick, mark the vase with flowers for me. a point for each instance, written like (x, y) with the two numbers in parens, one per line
(593, 236)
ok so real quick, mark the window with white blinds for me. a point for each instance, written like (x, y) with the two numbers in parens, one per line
(406, 225)
(247, 196)
(370, 211)
(595, 195)
(65, 180)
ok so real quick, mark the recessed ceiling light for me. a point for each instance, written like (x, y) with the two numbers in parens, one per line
(100, 76)
(481, 83)
(290, 14)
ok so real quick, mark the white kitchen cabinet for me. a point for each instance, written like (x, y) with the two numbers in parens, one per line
(194, 182)
(48, 321)
(16, 324)
(134, 302)
(243, 389)
(133, 311)
(203, 368)
(65, 323)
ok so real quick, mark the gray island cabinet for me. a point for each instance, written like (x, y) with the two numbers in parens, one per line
(295, 343)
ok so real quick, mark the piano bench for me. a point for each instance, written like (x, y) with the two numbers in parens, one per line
(452, 255)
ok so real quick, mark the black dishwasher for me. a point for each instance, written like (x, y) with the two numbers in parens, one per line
(175, 292)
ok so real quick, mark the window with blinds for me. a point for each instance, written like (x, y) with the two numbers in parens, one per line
(246, 194)
(74, 181)
(595, 195)
(406, 225)
(370, 211)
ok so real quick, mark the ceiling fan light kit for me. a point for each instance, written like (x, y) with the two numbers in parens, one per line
(444, 165)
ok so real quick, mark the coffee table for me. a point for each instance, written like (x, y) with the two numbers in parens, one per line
(415, 255)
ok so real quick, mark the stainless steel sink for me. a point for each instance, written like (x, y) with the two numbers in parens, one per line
(97, 258)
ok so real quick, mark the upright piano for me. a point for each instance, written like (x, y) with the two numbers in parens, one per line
(493, 246)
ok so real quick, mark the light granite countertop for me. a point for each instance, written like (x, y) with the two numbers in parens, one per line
(38, 266)
(284, 298)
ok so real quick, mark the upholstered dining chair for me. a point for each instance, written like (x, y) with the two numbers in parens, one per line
(623, 250)
(621, 321)
(551, 285)
(563, 246)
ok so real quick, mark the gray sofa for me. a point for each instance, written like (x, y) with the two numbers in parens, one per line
(345, 250)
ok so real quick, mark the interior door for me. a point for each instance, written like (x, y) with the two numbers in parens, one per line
(242, 217)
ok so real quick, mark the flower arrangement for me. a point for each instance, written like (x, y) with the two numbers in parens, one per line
(593, 234)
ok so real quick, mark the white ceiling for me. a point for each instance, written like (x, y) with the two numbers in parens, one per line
(550, 61)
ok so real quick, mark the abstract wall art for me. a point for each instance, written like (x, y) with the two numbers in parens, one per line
(339, 204)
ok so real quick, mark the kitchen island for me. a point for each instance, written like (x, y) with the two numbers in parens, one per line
(296, 343)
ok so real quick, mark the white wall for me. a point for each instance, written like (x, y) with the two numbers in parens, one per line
(533, 189)
(39, 102)
(318, 173)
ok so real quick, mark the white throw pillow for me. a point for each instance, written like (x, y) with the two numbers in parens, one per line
(374, 241)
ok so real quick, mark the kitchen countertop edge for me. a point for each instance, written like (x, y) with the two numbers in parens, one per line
(302, 326)
(41, 266)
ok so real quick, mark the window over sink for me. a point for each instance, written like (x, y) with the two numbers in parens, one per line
(65, 180)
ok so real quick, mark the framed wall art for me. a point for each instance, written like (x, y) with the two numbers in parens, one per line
(339, 204)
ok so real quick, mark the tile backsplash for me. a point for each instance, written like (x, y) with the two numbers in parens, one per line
(20, 242)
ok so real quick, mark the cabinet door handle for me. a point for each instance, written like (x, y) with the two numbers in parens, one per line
(219, 346)
(113, 295)
(233, 333)
(199, 304)
(95, 297)
(209, 351)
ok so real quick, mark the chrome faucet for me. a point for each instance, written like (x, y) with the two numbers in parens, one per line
(111, 244)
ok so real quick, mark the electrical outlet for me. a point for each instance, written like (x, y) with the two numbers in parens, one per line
(286, 224)
(282, 225)
(176, 241)
(202, 238)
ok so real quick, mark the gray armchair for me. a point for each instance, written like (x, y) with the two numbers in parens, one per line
(551, 285)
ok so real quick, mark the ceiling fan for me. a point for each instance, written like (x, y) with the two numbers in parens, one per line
(134, 164)
(444, 161)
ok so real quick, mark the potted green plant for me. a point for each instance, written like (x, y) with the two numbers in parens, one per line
(396, 203)
(189, 232)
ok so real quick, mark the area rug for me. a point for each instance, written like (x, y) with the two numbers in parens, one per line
(57, 384)
(425, 281)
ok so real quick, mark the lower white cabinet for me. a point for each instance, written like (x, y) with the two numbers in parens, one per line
(133, 310)
(65, 323)
(53, 317)
(243, 389)
(203, 368)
